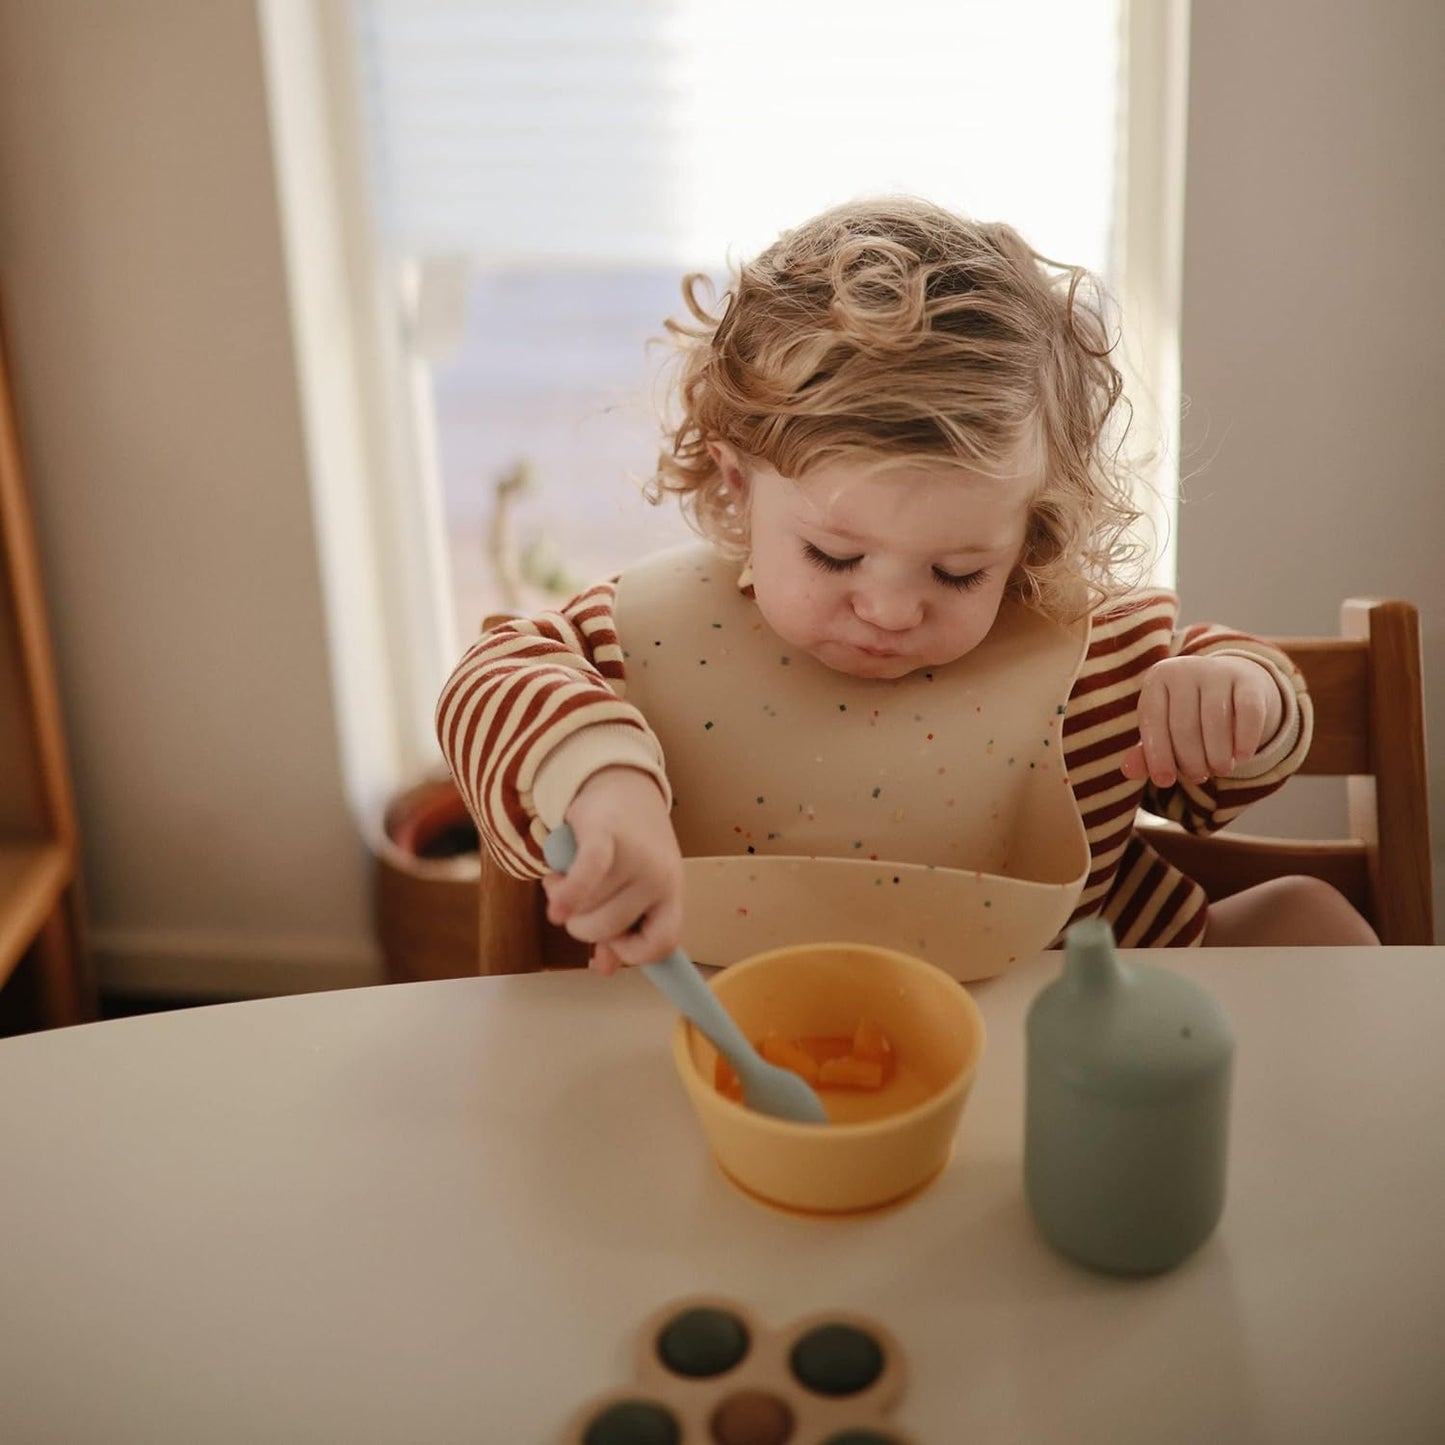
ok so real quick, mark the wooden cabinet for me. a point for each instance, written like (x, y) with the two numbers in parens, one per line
(41, 920)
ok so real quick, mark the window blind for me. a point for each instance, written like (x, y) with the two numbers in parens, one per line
(677, 132)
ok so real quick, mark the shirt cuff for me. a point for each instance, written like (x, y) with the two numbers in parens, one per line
(588, 751)
(1281, 746)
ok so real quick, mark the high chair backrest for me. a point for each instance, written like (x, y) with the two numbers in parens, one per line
(1368, 695)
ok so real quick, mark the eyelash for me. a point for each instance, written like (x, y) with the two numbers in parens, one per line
(827, 563)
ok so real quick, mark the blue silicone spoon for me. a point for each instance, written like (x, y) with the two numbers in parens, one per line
(767, 1088)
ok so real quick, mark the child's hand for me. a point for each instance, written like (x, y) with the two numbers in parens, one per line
(624, 891)
(1199, 716)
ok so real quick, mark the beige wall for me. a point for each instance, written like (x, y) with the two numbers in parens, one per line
(141, 256)
(142, 268)
(1313, 327)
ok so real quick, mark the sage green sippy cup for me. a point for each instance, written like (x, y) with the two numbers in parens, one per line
(1127, 1115)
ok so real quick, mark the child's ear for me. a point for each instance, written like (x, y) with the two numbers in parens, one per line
(729, 463)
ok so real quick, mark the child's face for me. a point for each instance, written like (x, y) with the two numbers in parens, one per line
(878, 571)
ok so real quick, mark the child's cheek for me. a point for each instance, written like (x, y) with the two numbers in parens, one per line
(810, 606)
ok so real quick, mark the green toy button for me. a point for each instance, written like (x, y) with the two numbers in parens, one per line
(837, 1360)
(702, 1342)
(634, 1422)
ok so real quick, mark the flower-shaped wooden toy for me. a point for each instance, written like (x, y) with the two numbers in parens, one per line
(708, 1372)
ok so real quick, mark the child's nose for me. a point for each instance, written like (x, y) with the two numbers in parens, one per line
(891, 609)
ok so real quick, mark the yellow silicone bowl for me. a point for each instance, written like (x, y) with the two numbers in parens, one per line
(876, 1149)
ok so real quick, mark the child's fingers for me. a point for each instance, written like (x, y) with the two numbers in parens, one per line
(654, 940)
(604, 960)
(1217, 719)
(1198, 718)
(612, 917)
(1154, 733)
(576, 889)
(1186, 731)
(1250, 713)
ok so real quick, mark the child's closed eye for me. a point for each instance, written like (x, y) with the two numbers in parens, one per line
(962, 582)
(827, 562)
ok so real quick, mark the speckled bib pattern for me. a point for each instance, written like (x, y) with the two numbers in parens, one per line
(931, 813)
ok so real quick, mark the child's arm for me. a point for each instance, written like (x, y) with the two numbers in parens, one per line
(533, 709)
(1223, 721)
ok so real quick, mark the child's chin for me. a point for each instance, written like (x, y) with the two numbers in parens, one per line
(853, 663)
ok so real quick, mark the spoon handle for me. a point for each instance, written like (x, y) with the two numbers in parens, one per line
(677, 977)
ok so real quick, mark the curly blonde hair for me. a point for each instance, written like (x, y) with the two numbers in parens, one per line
(891, 328)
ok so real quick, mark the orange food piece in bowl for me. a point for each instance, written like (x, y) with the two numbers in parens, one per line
(848, 1072)
(791, 1054)
(725, 1080)
(821, 1047)
(864, 1061)
(870, 1042)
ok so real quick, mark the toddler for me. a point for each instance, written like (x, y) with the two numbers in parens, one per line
(905, 654)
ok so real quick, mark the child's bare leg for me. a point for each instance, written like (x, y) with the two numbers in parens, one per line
(1293, 911)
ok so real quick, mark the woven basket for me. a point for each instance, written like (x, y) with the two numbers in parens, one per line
(426, 881)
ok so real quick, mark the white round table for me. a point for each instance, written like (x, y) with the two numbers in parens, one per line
(438, 1212)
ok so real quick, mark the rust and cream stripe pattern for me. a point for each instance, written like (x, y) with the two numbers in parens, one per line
(521, 690)
(1149, 903)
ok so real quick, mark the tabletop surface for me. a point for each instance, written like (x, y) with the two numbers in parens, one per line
(437, 1212)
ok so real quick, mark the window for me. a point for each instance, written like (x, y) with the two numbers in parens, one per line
(518, 187)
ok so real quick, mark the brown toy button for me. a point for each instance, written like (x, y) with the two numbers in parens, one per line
(752, 1417)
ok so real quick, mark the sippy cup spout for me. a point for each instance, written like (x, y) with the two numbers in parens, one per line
(1091, 962)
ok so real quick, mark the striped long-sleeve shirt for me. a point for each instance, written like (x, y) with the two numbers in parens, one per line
(537, 705)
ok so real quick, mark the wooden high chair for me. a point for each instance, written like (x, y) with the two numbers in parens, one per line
(42, 916)
(1366, 685)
